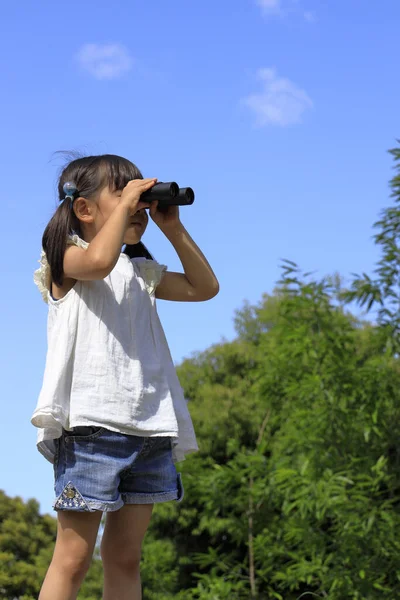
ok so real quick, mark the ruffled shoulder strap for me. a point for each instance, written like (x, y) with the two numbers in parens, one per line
(42, 276)
(150, 271)
(75, 240)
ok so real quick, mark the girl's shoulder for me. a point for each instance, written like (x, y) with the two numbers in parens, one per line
(75, 240)
(150, 271)
(42, 275)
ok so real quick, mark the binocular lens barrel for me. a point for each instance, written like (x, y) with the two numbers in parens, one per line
(169, 194)
(186, 196)
(161, 191)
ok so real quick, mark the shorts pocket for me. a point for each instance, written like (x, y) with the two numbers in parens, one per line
(161, 443)
(83, 433)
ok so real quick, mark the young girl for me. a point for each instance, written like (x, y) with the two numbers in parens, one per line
(111, 413)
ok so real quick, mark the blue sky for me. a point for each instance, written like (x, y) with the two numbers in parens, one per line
(278, 113)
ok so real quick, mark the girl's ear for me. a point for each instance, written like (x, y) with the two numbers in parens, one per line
(83, 210)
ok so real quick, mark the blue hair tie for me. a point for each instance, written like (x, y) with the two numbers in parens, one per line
(69, 189)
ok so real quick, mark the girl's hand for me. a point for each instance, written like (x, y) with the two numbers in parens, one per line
(131, 194)
(167, 219)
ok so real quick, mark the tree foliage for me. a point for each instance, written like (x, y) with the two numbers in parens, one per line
(26, 547)
(301, 493)
(295, 492)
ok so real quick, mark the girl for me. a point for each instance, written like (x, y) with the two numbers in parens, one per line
(111, 415)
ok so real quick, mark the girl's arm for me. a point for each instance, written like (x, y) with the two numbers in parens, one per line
(198, 282)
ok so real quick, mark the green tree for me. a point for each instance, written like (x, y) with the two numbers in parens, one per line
(383, 290)
(26, 547)
(296, 488)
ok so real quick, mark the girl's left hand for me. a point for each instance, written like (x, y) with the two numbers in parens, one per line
(165, 219)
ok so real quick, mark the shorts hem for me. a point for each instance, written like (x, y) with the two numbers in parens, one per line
(94, 506)
(150, 498)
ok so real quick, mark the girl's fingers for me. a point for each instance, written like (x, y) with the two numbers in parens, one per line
(153, 207)
(149, 182)
(141, 183)
(133, 192)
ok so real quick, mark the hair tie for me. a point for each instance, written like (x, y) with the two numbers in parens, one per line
(69, 189)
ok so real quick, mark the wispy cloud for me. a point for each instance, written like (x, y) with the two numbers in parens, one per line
(310, 16)
(107, 61)
(280, 101)
(269, 7)
(285, 8)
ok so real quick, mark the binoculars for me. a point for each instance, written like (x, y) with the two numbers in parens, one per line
(169, 194)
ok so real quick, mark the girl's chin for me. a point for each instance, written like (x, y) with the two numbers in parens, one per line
(134, 234)
(132, 239)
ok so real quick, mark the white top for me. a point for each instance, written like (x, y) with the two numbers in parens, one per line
(108, 362)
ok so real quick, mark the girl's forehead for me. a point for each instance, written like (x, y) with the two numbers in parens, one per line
(106, 190)
(116, 184)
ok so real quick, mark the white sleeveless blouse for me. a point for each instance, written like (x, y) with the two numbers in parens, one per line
(108, 363)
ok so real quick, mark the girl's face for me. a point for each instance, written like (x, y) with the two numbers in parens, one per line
(104, 206)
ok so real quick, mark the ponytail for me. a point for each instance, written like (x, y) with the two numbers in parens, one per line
(54, 241)
(137, 251)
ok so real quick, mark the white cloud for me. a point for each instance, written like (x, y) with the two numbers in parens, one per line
(280, 102)
(269, 6)
(310, 16)
(285, 8)
(108, 61)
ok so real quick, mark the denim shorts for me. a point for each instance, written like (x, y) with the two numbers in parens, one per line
(98, 469)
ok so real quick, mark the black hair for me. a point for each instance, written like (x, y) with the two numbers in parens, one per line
(89, 174)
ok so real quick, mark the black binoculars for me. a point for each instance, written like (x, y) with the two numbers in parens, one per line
(169, 194)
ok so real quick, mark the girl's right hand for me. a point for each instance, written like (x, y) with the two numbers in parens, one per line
(131, 194)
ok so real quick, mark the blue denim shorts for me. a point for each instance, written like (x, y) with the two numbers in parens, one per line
(98, 469)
